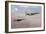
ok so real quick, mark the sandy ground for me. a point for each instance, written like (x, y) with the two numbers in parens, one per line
(28, 22)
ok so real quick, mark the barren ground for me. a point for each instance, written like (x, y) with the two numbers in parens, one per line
(28, 22)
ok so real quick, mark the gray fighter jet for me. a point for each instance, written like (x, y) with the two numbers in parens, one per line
(31, 13)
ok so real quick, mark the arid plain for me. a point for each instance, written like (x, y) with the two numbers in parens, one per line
(28, 22)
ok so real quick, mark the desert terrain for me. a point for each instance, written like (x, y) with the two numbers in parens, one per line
(28, 22)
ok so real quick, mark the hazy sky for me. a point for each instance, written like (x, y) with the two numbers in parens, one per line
(22, 9)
